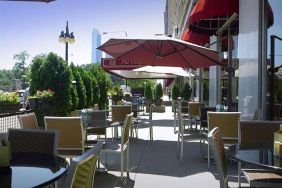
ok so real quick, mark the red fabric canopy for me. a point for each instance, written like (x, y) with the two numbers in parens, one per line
(209, 15)
(46, 1)
(200, 39)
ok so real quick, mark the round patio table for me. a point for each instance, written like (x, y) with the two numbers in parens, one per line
(256, 156)
(33, 170)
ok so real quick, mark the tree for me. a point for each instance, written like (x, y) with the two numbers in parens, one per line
(104, 82)
(20, 69)
(81, 91)
(88, 83)
(6, 80)
(140, 83)
(52, 72)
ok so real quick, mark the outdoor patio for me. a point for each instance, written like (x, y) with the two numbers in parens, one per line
(155, 164)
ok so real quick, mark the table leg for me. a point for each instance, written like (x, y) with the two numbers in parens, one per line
(239, 173)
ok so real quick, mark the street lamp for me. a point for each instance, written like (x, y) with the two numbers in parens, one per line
(66, 38)
(104, 33)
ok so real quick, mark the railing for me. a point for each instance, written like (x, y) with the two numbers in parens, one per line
(10, 121)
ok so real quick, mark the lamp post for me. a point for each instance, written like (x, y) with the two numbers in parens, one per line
(67, 38)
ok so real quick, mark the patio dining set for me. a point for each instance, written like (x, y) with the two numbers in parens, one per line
(80, 138)
(229, 139)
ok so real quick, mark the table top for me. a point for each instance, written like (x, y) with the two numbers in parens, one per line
(33, 170)
(261, 157)
(101, 124)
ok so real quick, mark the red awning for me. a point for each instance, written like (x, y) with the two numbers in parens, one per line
(193, 37)
(209, 15)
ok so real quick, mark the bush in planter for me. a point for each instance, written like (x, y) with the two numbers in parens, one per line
(175, 92)
(88, 83)
(117, 94)
(186, 92)
(10, 102)
(159, 94)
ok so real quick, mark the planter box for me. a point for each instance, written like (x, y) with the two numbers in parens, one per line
(9, 108)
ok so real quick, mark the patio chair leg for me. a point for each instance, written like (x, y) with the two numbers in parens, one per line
(239, 173)
(127, 161)
(178, 148)
(181, 150)
(208, 154)
(121, 165)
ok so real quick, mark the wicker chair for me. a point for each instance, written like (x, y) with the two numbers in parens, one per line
(194, 112)
(119, 113)
(183, 137)
(28, 121)
(70, 134)
(92, 118)
(33, 141)
(258, 133)
(122, 145)
(255, 177)
(81, 172)
(228, 123)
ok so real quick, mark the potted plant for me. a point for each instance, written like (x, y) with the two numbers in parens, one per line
(9, 101)
(117, 94)
(158, 94)
(44, 96)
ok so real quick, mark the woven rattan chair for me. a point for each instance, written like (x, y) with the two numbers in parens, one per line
(121, 145)
(194, 112)
(28, 121)
(228, 123)
(258, 133)
(70, 134)
(81, 172)
(93, 118)
(119, 113)
(33, 141)
(183, 137)
(258, 178)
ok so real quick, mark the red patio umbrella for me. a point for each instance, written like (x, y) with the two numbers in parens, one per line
(46, 1)
(209, 15)
(163, 51)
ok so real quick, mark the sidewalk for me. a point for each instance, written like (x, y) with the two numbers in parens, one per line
(155, 163)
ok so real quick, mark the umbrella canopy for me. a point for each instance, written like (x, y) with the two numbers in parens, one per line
(129, 74)
(208, 16)
(163, 51)
(46, 1)
(178, 71)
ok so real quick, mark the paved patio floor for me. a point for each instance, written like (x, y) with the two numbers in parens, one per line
(155, 163)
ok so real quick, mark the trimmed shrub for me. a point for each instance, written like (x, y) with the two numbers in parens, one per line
(81, 91)
(186, 92)
(148, 91)
(175, 92)
(159, 91)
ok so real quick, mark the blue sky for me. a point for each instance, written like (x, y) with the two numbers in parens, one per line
(35, 27)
